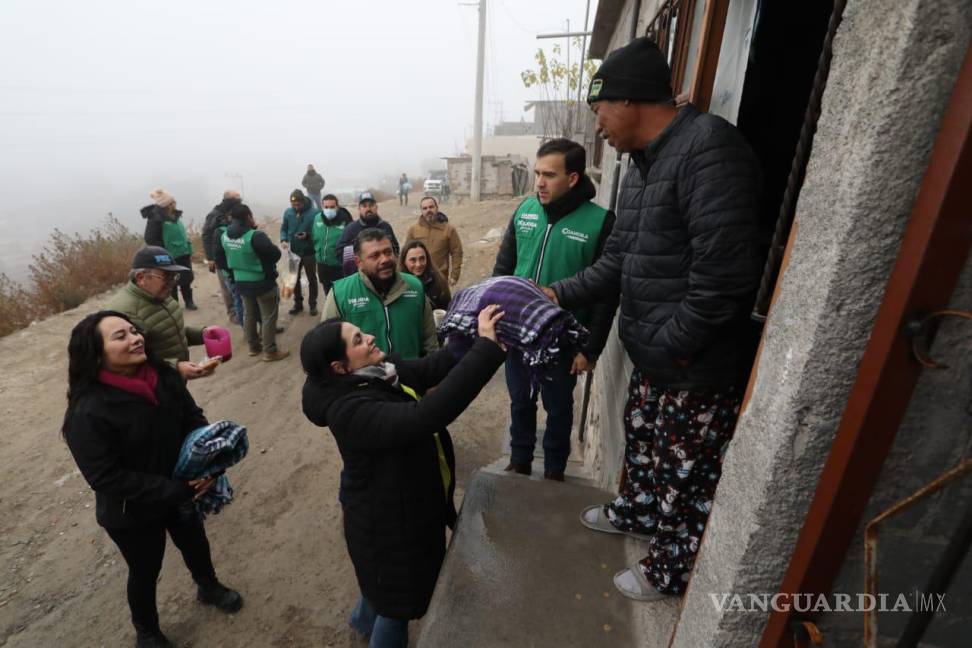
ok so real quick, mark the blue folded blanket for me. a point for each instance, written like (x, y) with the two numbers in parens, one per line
(209, 451)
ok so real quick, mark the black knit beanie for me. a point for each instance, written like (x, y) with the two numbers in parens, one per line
(637, 72)
(297, 194)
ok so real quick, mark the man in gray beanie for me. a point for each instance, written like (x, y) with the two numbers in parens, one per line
(686, 255)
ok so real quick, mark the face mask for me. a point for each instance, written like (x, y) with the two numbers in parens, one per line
(330, 213)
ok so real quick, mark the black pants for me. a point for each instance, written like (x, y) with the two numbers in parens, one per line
(328, 275)
(309, 266)
(143, 548)
(185, 280)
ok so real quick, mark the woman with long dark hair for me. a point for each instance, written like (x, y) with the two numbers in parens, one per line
(398, 478)
(415, 259)
(127, 416)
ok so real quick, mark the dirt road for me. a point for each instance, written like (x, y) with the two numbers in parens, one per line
(62, 581)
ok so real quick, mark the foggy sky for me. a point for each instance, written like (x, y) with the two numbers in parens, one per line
(102, 101)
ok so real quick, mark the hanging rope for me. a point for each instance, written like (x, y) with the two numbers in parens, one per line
(798, 169)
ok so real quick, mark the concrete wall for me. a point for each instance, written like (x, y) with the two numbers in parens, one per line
(894, 66)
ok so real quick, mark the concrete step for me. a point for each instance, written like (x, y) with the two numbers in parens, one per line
(522, 571)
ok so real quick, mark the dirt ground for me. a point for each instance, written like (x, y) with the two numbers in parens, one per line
(62, 580)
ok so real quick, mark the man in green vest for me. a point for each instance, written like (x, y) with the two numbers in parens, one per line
(382, 301)
(164, 228)
(252, 258)
(553, 235)
(328, 226)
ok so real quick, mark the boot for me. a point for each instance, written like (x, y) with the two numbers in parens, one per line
(275, 355)
(519, 468)
(152, 640)
(219, 596)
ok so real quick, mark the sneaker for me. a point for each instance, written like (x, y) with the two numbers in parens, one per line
(594, 518)
(152, 640)
(554, 475)
(273, 356)
(313, 311)
(255, 352)
(632, 583)
(295, 310)
(519, 468)
(220, 597)
(191, 306)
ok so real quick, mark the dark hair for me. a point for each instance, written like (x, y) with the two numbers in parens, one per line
(368, 234)
(86, 352)
(329, 197)
(432, 198)
(240, 212)
(575, 158)
(429, 266)
(321, 346)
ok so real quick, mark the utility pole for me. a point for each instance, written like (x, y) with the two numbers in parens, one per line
(477, 152)
(580, 74)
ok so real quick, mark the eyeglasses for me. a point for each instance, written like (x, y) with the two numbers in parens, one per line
(167, 277)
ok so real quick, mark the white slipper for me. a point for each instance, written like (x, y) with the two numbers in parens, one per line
(593, 518)
(632, 583)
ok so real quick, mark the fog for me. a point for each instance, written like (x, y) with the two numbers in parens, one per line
(100, 102)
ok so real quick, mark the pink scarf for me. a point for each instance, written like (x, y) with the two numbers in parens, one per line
(141, 384)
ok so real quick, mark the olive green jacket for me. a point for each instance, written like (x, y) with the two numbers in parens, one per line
(165, 331)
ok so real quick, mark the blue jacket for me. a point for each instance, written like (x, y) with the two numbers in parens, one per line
(293, 223)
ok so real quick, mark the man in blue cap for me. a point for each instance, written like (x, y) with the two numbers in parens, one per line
(367, 217)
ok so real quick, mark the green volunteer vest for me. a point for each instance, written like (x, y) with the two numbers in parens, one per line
(397, 328)
(175, 239)
(325, 236)
(241, 258)
(547, 253)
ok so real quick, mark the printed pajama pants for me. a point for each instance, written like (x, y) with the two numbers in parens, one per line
(674, 444)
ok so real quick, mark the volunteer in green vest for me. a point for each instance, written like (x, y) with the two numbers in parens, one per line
(553, 235)
(327, 229)
(382, 301)
(164, 228)
(252, 258)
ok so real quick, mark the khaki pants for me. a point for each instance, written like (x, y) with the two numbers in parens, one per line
(266, 307)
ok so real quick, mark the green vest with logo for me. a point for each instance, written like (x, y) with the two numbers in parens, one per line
(398, 327)
(325, 235)
(175, 239)
(547, 253)
(241, 258)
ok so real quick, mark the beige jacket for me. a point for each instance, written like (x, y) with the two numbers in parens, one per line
(442, 240)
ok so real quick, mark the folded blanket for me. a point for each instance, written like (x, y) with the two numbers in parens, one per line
(209, 451)
(533, 325)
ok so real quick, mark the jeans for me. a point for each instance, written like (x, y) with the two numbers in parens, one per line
(557, 392)
(237, 301)
(143, 548)
(309, 266)
(328, 275)
(267, 307)
(185, 280)
(384, 632)
(315, 198)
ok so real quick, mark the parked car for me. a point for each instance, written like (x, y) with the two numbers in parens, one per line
(437, 184)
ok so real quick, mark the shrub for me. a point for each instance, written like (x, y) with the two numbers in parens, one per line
(69, 270)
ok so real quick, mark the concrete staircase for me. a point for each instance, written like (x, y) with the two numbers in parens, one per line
(521, 571)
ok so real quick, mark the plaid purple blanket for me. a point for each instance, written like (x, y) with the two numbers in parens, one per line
(533, 325)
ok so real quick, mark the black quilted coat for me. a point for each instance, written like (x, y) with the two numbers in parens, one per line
(686, 253)
(395, 505)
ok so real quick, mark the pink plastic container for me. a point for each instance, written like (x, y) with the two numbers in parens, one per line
(218, 343)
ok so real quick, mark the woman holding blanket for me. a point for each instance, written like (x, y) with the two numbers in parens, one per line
(127, 416)
(398, 476)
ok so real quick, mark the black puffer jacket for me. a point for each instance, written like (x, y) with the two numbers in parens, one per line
(395, 506)
(686, 253)
(127, 448)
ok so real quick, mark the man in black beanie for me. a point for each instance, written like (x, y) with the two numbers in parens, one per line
(686, 255)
